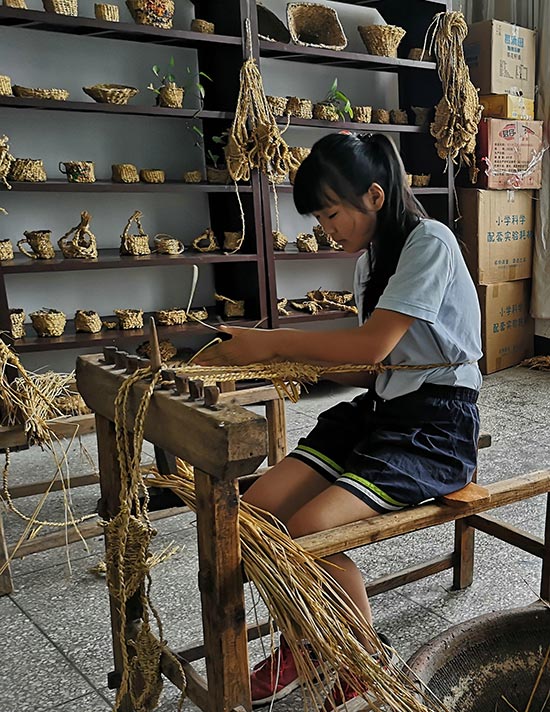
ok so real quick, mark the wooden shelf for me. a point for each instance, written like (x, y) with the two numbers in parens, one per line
(352, 126)
(432, 190)
(170, 186)
(291, 252)
(323, 315)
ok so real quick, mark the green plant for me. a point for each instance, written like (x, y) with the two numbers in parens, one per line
(339, 100)
(220, 140)
(168, 77)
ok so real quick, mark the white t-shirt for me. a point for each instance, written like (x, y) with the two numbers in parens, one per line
(432, 284)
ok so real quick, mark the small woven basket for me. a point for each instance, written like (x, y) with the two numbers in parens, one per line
(48, 322)
(78, 171)
(152, 175)
(280, 241)
(421, 180)
(111, 93)
(167, 350)
(6, 250)
(198, 25)
(170, 317)
(362, 114)
(313, 25)
(198, 314)
(171, 96)
(277, 104)
(325, 111)
(109, 13)
(158, 13)
(300, 153)
(206, 241)
(409, 178)
(6, 161)
(124, 173)
(301, 108)
(325, 240)
(306, 242)
(20, 4)
(29, 93)
(29, 170)
(134, 244)
(17, 318)
(192, 177)
(382, 40)
(231, 307)
(79, 242)
(40, 243)
(5, 86)
(419, 54)
(380, 116)
(281, 304)
(422, 115)
(233, 240)
(129, 318)
(167, 245)
(61, 7)
(88, 322)
(399, 116)
(217, 175)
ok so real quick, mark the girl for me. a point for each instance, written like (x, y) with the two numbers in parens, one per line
(413, 435)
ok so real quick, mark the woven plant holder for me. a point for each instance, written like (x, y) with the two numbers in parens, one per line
(29, 93)
(20, 4)
(171, 96)
(119, 94)
(170, 317)
(28, 170)
(40, 243)
(79, 242)
(61, 7)
(421, 180)
(422, 115)
(313, 25)
(198, 25)
(380, 116)
(78, 171)
(17, 318)
(124, 173)
(381, 40)
(233, 240)
(280, 241)
(166, 348)
(134, 244)
(324, 240)
(217, 175)
(231, 307)
(6, 161)
(152, 175)
(362, 114)
(192, 177)
(158, 13)
(306, 242)
(129, 318)
(198, 314)
(420, 55)
(5, 86)
(6, 250)
(325, 111)
(48, 322)
(270, 27)
(301, 108)
(399, 116)
(206, 241)
(277, 104)
(88, 322)
(109, 13)
(167, 245)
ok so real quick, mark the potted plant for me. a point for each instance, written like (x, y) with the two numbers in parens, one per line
(216, 170)
(334, 107)
(171, 95)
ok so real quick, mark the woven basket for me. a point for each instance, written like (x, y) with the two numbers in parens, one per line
(166, 348)
(17, 317)
(270, 27)
(324, 239)
(380, 116)
(167, 245)
(192, 177)
(280, 241)
(6, 161)
(61, 7)
(20, 4)
(399, 116)
(171, 96)
(78, 171)
(306, 242)
(300, 153)
(158, 13)
(292, 175)
(382, 40)
(422, 180)
(233, 241)
(198, 314)
(152, 175)
(5, 86)
(422, 115)
(124, 173)
(281, 304)
(48, 322)
(29, 170)
(40, 243)
(28, 93)
(129, 318)
(111, 93)
(170, 317)
(277, 104)
(204, 26)
(409, 178)
(134, 244)
(313, 25)
(109, 13)
(420, 55)
(301, 108)
(206, 241)
(325, 111)
(231, 307)
(217, 175)
(362, 114)
(6, 250)
(79, 242)
(88, 322)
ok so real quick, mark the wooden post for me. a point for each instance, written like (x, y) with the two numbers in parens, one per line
(463, 565)
(545, 577)
(6, 584)
(222, 595)
(276, 429)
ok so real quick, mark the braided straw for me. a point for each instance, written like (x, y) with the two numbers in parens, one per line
(83, 244)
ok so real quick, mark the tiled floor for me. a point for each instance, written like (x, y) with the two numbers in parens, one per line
(57, 652)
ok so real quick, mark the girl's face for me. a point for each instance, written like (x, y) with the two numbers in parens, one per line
(351, 228)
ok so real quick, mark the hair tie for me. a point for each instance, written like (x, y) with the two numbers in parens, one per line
(365, 136)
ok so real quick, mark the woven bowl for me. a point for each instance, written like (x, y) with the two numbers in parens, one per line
(380, 116)
(111, 93)
(399, 116)
(28, 93)
(277, 104)
(20, 4)
(198, 25)
(381, 40)
(158, 13)
(124, 173)
(313, 25)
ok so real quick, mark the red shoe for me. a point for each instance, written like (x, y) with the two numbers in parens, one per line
(275, 677)
(343, 698)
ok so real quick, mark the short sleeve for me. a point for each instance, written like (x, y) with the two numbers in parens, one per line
(423, 273)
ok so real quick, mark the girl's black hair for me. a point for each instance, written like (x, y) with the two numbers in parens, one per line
(347, 165)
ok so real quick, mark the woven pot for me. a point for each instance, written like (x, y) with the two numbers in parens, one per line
(124, 173)
(421, 180)
(78, 171)
(158, 13)
(61, 7)
(29, 93)
(277, 104)
(198, 314)
(362, 114)
(313, 25)
(6, 250)
(280, 241)
(79, 242)
(305, 242)
(28, 170)
(232, 241)
(301, 108)
(170, 317)
(192, 177)
(206, 241)
(109, 13)
(399, 116)
(152, 175)
(40, 243)
(48, 322)
(171, 96)
(129, 318)
(5, 86)
(270, 27)
(20, 4)
(325, 111)
(380, 116)
(217, 175)
(204, 26)
(119, 94)
(134, 244)
(420, 55)
(382, 40)
(17, 318)
(88, 322)
(422, 115)
(168, 245)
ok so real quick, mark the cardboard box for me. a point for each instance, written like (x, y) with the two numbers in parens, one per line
(497, 229)
(507, 330)
(501, 58)
(507, 106)
(509, 154)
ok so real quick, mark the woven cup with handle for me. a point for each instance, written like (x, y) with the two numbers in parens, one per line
(40, 243)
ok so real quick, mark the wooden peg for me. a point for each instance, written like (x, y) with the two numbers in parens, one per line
(211, 397)
(156, 360)
(109, 354)
(182, 384)
(196, 389)
(121, 359)
(167, 382)
(133, 364)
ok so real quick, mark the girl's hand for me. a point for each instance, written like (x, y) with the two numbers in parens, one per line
(245, 346)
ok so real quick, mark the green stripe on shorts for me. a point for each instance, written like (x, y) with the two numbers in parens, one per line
(322, 457)
(375, 489)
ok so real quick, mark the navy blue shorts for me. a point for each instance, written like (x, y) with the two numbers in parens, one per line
(400, 452)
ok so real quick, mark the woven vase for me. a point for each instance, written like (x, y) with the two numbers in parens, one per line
(171, 96)
(17, 318)
(88, 322)
(6, 250)
(124, 173)
(48, 322)
(129, 318)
